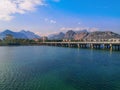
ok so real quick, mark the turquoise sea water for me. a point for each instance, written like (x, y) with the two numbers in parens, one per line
(58, 68)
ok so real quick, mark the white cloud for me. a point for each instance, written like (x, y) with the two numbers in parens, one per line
(46, 34)
(38, 33)
(94, 29)
(75, 28)
(53, 22)
(10, 7)
(64, 29)
(50, 21)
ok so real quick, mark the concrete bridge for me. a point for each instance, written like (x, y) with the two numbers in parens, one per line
(92, 45)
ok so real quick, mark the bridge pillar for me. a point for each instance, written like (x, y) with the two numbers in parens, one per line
(91, 45)
(69, 45)
(111, 47)
(78, 45)
(87, 45)
(103, 46)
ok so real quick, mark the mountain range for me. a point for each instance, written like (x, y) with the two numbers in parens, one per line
(58, 36)
(70, 34)
(84, 34)
(19, 35)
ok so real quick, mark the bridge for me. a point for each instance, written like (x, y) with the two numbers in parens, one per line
(114, 45)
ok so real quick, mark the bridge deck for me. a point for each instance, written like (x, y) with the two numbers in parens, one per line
(81, 42)
(96, 45)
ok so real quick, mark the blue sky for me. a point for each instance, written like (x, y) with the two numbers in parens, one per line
(51, 16)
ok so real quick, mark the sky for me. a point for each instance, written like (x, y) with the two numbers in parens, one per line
(46, 17)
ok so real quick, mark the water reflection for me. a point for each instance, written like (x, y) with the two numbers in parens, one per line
(57, 68)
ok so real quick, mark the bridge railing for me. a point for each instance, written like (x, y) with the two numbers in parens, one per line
(86, 42)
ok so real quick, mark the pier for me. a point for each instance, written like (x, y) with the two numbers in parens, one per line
(92, 45)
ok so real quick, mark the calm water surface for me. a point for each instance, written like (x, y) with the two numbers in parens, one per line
(57, 68)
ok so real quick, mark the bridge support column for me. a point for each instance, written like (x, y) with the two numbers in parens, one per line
(69, 45)
(78, 45)
(87, 45)
(91, 46)
(111, 47)
(103, 46)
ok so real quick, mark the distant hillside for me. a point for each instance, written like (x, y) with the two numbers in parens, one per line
(58, 36)
(102, 35)
(84, 34)
(70, 34)
(29, 35)
(19, 35)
